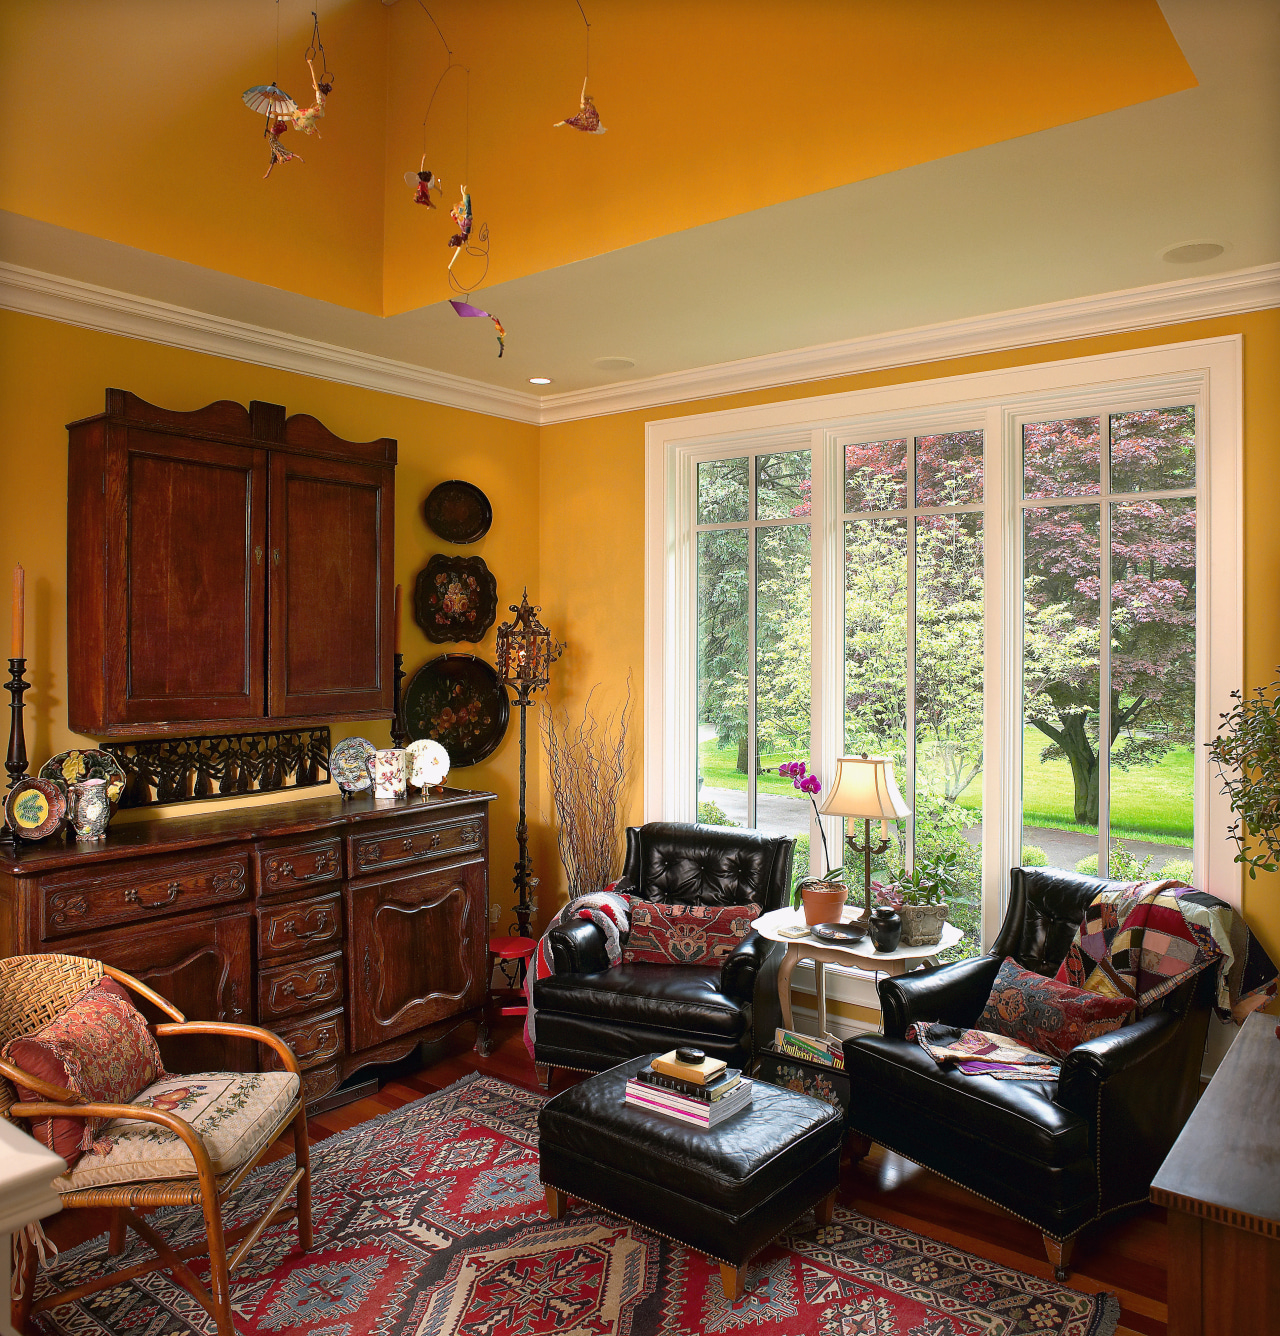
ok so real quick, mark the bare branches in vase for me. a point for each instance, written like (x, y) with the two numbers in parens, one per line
(587, 761)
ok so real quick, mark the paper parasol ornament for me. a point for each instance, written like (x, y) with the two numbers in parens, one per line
(466, 309)
(268, 100)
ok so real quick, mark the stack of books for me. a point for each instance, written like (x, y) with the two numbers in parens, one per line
(808, 1047)
(704, 1103)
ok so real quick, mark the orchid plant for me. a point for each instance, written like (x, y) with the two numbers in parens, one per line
(797, 773)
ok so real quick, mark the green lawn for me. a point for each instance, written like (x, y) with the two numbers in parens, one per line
(1146, 802)
(1153, 800)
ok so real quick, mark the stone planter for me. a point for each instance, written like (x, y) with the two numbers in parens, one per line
(922, 924)
(822, 900)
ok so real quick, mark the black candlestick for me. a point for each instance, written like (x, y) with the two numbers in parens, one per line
(16, 761)
(399, 733)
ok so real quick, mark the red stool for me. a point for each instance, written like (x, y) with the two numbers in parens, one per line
(511, 953)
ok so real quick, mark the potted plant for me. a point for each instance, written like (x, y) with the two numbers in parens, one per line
(920, 897)
(1247, 752)
(822, 898)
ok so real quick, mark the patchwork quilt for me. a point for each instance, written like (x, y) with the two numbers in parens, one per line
(608, 909)
(1141, 941)
(982, 1053)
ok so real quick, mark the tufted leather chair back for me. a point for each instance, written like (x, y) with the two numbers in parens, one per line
(676, 863)
(1046, 906)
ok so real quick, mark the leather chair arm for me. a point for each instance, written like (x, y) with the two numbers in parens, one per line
(952, 994)
(578, 947)
(742, 965)
(1125, 1057)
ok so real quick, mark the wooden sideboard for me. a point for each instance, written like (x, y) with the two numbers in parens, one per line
(355, 929)
(1221, 1184)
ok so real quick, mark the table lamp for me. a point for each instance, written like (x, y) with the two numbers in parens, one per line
(864, 787)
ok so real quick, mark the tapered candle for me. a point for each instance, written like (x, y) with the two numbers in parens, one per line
(395, 617)
(19, 607)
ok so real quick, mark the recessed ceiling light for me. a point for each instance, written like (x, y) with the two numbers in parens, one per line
(1192, 252)
(539, 380)
(614, 363)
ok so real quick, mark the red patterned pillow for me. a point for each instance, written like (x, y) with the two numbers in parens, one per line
(665, 934)
(100, 1048)
(1045, 1015)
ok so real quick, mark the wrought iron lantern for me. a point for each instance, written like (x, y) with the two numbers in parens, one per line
(525, 651)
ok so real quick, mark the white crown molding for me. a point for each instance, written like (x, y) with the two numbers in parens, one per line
(1079, 317)
(93, 307)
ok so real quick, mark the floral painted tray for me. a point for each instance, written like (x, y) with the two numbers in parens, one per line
(460, 702)
(70, 767)
(455, 598)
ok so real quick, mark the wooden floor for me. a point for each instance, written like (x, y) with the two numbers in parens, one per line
(1126, 1256)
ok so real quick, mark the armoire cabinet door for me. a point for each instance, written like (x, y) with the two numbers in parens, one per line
(203, 967)
(185, 578)
(332, 543)
(417, 950)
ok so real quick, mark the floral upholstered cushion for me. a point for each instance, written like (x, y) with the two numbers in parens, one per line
(665, 934)
(233, 1113)
(1045, 1015)
(99, 1048)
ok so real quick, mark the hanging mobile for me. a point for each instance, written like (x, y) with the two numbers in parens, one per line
(423, 183)
(305, 119)
(277, 106)
(588, 118)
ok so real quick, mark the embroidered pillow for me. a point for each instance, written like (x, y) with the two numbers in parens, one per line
(663, 934)
(1045, 1015)
(100, 1048)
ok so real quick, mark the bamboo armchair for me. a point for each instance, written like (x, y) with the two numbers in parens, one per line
(36, 989)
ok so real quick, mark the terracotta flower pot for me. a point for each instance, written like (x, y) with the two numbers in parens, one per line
(823, 901)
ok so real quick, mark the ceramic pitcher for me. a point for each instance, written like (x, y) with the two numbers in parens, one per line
(89, 809)
(387, 770)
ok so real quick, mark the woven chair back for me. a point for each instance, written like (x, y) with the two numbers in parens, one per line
(35, 990)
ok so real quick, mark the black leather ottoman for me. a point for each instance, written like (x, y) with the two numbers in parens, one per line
(726, 1191)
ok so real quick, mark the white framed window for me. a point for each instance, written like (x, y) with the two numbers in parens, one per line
(896, 560)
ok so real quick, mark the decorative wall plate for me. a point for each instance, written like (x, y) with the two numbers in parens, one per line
(35, 808)
(459, 512)
(70, 767)
(347, 764)
(458, 701)
(455, 598)
(428, 763)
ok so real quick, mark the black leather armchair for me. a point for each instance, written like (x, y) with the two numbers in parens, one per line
(1058, 1154)
(591, 1017)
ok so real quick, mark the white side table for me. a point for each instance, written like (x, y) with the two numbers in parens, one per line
(862, 954)
(26, 1171)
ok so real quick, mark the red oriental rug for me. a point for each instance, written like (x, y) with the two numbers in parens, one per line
(429, 1221)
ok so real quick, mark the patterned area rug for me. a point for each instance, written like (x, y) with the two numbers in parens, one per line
(429, 1221)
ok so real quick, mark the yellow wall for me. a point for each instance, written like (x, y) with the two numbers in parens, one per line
(124, 120)
(592, 532)
(51, 374)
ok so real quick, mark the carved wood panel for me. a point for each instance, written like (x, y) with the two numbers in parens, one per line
(291, 866)
(417, 951)
(375, 853)
(82, 901)
(304, 985)
(301, 925)
(315, 1040)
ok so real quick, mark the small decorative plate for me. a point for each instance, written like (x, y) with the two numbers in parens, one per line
(347, 764)
(459, 512)
(458, 701)
(428, 763)
(839, 934)
(70, 767)
(455, 598)
(35, 808)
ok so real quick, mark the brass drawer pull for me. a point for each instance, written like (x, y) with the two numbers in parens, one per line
(171, 893)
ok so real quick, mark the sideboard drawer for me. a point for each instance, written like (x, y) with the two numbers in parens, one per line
(75, 902)
(300, 925)
(321, 1081)
(314, 1041)
(290, 867)
(303, 985)
(373, 853)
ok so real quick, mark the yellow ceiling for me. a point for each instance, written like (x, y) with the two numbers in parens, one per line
(124, 120)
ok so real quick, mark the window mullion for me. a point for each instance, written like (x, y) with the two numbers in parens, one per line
(1104, 647)
(753, 535)
(909, 853)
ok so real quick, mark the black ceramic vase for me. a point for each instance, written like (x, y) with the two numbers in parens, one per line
(885, 928)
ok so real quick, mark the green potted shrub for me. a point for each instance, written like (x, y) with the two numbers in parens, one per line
(1247, 752)
(920, 897)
